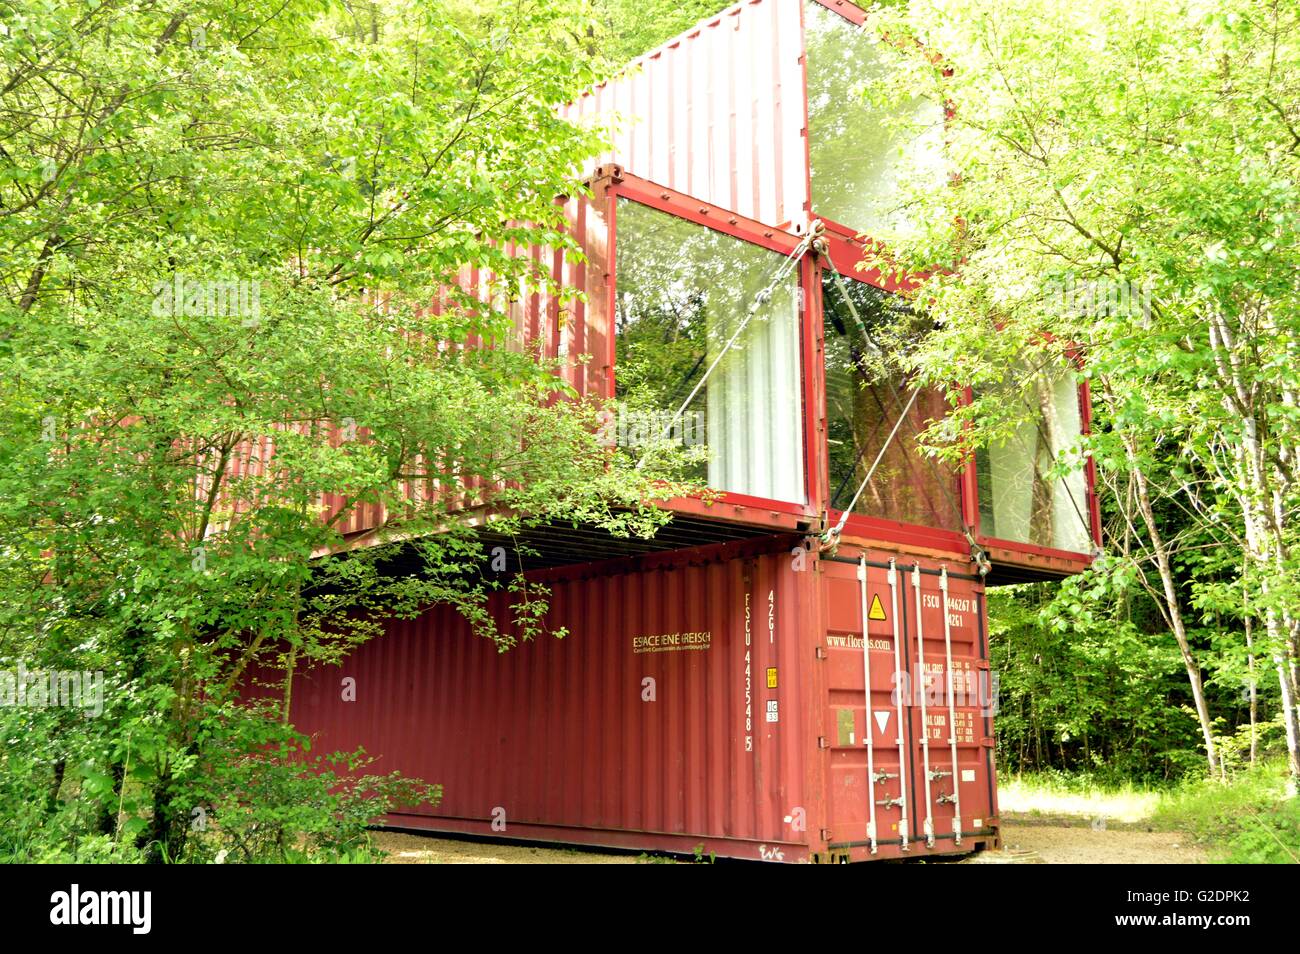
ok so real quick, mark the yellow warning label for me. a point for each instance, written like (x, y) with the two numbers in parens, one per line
(771, 678)
(877, 610)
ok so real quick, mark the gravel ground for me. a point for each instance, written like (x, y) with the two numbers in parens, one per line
(1032, 843)
(1081, 844)
(405, 849)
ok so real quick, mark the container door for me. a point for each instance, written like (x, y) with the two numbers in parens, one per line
(897, 777)
(950, 710)
(868, 802)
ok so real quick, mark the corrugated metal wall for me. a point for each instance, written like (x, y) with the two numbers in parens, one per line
(700, 698)
(909, 705)
(717, 113)
(579, 326)
(564, 732)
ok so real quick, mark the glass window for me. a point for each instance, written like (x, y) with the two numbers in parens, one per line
(857, 158)
(684, 296)
(865, 394)
(1020, 500)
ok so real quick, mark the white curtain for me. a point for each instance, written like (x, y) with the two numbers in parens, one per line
(754, 426)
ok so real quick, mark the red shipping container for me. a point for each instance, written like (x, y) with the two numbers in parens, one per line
(709, 697)
(753, 698)
(719, 128)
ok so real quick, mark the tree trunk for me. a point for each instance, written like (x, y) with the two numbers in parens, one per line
(1254, 692)
(108, 819)
(165, 836)
(1173, 607)
(56, 784)
(288, 684)
(1289, 718)
(1257, 491)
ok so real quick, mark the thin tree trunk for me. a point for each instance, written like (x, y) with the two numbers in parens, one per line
(288, 684)
(1261, 508)
(1173, 607)
(1289, 717)
(56, 785)
(1250, 676)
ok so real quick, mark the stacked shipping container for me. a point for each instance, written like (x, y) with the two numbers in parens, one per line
(710, 697)
(788, 696)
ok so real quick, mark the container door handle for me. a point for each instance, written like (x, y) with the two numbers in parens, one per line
(866, 684)
(952, 704)
(925, 718)
(898, 701)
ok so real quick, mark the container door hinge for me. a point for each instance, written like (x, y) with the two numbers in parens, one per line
(826, 834)
(822, 743)
(819, 652)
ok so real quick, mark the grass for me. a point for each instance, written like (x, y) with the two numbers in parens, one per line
(698, 858)
(1077, 797)
(1249, 819)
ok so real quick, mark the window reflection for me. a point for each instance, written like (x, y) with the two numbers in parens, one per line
(683, 292)
(1020, 500)
(857, 159)
(865, 394)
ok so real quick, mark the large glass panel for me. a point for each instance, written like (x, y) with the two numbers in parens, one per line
(865, 395)
(857, 158)
(684, 306)
(1020, 500)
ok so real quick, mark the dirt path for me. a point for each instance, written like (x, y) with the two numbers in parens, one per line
(1081, 844)
(1032, 843)
(407, 849)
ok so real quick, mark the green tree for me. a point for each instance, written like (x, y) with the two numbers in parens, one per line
(626, 29)
(1126, 179)
(221, 224)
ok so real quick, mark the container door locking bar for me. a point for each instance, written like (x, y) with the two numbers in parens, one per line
(952, 705)
(925, 719)
(898, 700)
(870, 736)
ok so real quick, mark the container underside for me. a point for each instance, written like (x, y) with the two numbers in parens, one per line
(742, 849)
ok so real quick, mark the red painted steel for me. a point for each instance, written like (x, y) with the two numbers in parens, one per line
(919, 694)
(689, 704)
(716, 123)
(647, 726)
(717, 113)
